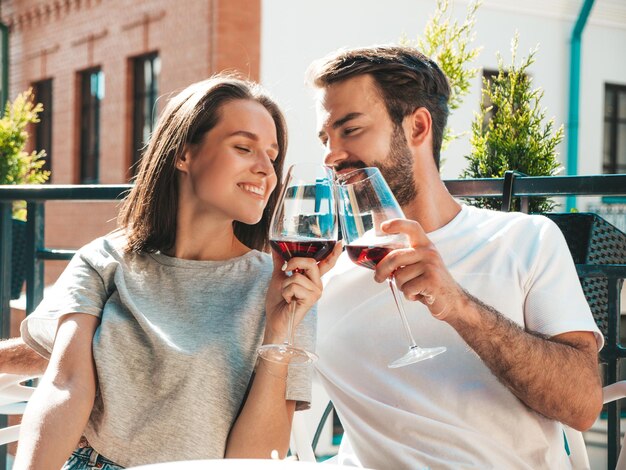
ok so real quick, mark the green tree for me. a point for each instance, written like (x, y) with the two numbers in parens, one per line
(450, 45)
(16, 165)
(516, 135)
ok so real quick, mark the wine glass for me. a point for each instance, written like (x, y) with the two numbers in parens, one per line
(365, 202)
(304, 224)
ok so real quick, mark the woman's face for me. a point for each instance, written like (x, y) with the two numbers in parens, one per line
(230, 172)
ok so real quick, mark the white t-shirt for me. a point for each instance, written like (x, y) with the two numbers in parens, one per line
(449, 411)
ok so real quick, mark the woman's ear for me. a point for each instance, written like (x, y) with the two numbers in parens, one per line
(182, 161)
(419, 126)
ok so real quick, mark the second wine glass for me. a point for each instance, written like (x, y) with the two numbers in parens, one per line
(365, 202)
(304, 224)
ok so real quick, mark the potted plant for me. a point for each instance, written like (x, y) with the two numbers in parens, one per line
(450, 44)
(20, 167)
(512, 133)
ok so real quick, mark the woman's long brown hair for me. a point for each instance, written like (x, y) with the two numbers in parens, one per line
(148, 213)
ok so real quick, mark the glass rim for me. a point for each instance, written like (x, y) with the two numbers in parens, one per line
(291, 173)
(341, 179)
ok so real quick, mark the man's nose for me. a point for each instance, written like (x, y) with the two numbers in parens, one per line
(334, 155)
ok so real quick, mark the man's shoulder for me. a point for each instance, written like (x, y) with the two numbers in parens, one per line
(488, 217)
(515, 232)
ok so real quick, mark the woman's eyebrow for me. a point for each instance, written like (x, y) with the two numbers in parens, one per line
(251, 136)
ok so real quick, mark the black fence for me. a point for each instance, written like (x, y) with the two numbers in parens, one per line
(608, 272)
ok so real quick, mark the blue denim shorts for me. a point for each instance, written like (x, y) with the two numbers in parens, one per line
(86, 458)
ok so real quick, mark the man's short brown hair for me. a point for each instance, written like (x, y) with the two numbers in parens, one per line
(405, 77)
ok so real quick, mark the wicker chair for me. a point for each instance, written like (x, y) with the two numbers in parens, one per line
(594, 242)
(599, 252)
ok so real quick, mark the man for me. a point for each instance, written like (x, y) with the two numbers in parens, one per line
(499, 290)
(17, 358)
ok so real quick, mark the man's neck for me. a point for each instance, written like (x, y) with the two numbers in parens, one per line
(433, 206)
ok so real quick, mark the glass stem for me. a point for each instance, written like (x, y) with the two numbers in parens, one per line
(290, 330)
(398, 300)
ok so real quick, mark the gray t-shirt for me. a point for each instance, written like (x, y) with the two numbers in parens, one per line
(175, 349)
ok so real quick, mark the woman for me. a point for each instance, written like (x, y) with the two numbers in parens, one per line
(153, 330)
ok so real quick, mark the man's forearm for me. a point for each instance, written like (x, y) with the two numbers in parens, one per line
(559, 380)
(17, 358)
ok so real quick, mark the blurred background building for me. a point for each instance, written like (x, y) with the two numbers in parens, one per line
(103, 70)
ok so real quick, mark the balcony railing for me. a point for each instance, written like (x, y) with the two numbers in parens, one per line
(507, 188)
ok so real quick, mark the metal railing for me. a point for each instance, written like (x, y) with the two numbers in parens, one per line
(36, 253)
(511, 186)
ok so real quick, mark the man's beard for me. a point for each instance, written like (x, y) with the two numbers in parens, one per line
(397, 169)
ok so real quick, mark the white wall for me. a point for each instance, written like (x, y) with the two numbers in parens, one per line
(603, 61)
(295, 32)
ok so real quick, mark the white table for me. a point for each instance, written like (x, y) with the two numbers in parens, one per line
(232, 464)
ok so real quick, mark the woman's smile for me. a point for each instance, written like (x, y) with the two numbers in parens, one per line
(253, 190)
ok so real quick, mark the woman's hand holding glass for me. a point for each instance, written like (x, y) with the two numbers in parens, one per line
(303, 234)
(303, 287)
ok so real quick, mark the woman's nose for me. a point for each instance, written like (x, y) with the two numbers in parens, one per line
(264, 165)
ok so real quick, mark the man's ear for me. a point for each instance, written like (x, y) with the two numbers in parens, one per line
(419, 126)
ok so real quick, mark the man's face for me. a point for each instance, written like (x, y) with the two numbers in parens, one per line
(356, 130)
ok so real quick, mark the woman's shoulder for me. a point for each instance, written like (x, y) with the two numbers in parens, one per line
(108, 247)
(113, 241)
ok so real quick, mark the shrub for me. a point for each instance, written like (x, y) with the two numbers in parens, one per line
(512, 134)
(16, 165)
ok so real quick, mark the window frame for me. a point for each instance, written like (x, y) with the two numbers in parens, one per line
(143, 101)
(89, 104)
(43, 91)
(613, 124)
(613, 167)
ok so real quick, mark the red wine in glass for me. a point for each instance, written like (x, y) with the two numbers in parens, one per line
(368, 256)
(365, 202)
(304, 224)
(316, 249)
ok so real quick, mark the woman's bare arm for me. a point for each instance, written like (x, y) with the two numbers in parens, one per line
(60, 407)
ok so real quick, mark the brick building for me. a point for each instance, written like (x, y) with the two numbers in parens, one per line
(98, 66)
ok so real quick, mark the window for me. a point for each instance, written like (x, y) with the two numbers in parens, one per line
(146, 69)
(91, 94)
(43, 129)
(490, 75)
(614, 160)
